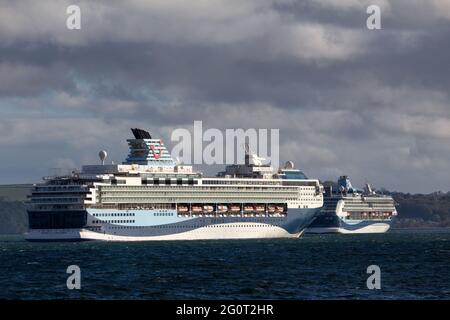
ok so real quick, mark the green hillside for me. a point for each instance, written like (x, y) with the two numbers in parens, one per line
(13, 217)
(416, 210)
(15, 192)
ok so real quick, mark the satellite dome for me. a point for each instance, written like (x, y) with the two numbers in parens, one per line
(289, 165)
(102, 155)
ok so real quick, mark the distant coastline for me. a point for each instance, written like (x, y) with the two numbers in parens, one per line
(422, 210)
(415, 211)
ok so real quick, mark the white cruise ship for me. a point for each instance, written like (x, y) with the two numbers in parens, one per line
(348, 210)
(151, 197)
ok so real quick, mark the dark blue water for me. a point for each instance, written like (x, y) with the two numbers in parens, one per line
(414, 265)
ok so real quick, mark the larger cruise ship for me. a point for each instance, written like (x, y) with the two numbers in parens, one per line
(348, 210)
(151, 197)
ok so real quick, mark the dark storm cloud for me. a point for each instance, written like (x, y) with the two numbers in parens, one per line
(373, 104)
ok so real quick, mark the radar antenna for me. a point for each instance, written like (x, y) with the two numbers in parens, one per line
(102, 155)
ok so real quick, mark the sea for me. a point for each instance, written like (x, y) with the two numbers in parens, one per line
(413, 264)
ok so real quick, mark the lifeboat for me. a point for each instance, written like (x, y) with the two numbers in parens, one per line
(271, 209)
(208, 209)
(248, 208)
(183, 209)
(197, 209)
(222, 208)
(260, 208)
(279, 209)
(235, 208)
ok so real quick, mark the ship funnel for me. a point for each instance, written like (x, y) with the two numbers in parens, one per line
(102, 155)
(344, 184)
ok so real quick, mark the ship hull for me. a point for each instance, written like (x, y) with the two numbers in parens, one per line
(355, 227)
(157, 225)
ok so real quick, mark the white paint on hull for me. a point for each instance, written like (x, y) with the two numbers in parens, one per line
(225, 231)
(373, 228)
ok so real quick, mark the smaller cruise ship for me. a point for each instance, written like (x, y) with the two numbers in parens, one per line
(348, 210)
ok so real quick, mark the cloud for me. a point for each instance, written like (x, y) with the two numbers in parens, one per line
(371, 104)
(351, 5)
(30, 80)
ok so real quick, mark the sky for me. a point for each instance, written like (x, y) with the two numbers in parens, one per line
(371, 104)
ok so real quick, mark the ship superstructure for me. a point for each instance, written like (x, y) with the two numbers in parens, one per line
(151, 197)
(348, 210)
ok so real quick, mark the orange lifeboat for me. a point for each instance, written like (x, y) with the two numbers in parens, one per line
(260, 208)
(208, 208)
(248, 208)
(235, 208)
